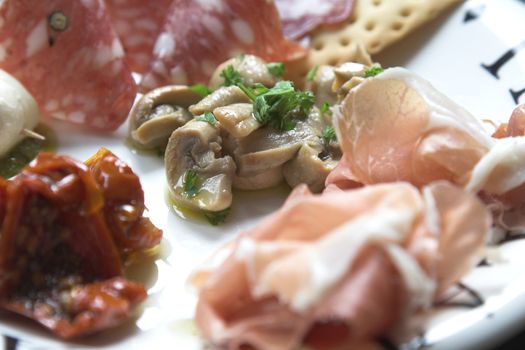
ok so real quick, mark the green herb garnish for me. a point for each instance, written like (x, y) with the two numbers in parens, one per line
(26, 150)
(311, 74)
(276, 68)
(216, 218)
(201, 89)
(329, 134)
(231, 76)
(242, 56)
(160, 152)
(207, 117)
(189, 184)
(259, 89)
(325, 107)
(280, 105)
(373, 71)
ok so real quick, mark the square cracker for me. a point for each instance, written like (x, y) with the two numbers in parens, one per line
(374, 24)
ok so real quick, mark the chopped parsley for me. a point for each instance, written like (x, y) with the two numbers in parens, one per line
(216, 218)
(373, 71)
(311, 74)
(329, 134)
(207, 117)
(160, 152)
(189, 184)
(201, 89)
(280, 105)
(276, 68)
(259, 89)
(325, 108)
(231, 76)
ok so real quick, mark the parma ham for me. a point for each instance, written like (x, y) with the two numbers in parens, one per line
(376, 256)
(397, 127)
(299, 17)
(68, 56)
(199, 35)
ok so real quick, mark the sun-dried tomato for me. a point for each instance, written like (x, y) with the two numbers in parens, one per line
(60, 250)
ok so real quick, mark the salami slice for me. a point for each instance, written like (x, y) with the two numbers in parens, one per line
(199, 35)
(138, 23)
(68, 56)
(299, 17)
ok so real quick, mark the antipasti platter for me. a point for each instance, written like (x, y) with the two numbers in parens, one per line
(267, 175)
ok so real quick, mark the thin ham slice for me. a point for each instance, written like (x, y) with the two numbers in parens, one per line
(376, 256)
(138, 24)
(515, 126)
(500, 178)
(397, 127)
(199, 35)
(70, 59)
(299, 17)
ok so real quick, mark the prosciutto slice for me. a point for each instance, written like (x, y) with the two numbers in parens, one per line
(397, 127)
(500, 179)
(376, 256)
(138, 24)
(69, 58)
(199, 35)
(515, 126)
(299, 17)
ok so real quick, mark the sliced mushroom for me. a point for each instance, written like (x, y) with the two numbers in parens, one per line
(251, 68)
(237, 119)
(321, 85)
(267, 148)
(307, 167)
(266, 179)
(223, 96)
(159, 112)
(196, 147)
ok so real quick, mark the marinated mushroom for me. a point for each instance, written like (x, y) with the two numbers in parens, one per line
(237, 119)
(250, 139)
(159, 112)
(347, 76)
(18, 113)
(199, 176)
(267, 148)
(331, 84)
(266, 179)
(251, 68)
(308, 167)
(321, 85)
(223, 96)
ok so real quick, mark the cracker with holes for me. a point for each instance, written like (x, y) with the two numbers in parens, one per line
(373, 25)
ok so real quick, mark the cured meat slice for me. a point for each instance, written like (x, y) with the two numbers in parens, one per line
(299, 17)
(138, 22)
(376, 256)
(500, 179)
(397, 127)
(341, 178)
(70, 59)
(199, 35)
(515, 126)
(61, 250)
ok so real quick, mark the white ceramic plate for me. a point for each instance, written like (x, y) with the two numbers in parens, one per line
(450, 53)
